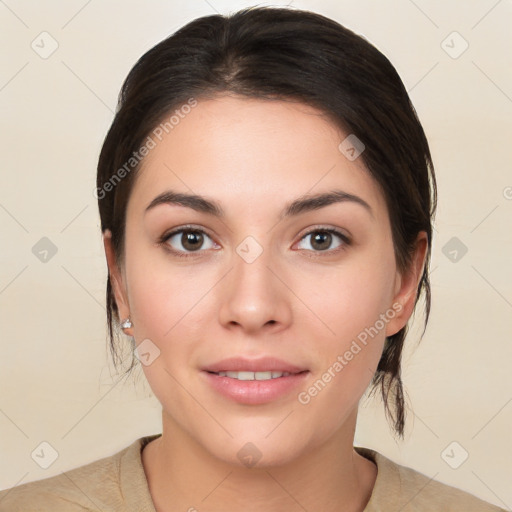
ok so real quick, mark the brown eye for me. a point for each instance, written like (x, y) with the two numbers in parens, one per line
(183, 241)
(322, 239)
(191, 240)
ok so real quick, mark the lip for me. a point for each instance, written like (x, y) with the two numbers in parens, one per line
(238, 364)
(254, 392)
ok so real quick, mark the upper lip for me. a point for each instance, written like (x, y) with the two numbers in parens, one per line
(238, 364)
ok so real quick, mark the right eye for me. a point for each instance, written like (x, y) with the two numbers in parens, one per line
(186, 240)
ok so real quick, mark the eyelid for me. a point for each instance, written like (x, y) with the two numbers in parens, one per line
(186, 227)
(342, 233)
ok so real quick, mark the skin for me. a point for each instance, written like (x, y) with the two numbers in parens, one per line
(295, 302)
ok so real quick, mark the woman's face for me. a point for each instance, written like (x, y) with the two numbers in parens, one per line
(262, 280)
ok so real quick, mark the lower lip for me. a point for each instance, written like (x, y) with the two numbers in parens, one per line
(254, 392)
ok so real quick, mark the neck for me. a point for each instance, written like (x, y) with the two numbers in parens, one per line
(331, 477)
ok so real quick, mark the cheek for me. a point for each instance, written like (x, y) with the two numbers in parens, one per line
(167, 304)
(353, 307)
(349, 299)
(163, 295)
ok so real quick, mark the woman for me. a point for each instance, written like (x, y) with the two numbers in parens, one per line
(266, 194)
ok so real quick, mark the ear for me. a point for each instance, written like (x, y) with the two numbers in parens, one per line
(406, 286)
(116, 279)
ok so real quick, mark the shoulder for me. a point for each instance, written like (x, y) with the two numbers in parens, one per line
(402, 488)
(91, 487)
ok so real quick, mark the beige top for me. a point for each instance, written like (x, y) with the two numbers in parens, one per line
(118, 483)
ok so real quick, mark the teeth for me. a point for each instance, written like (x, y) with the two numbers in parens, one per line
(254, 375)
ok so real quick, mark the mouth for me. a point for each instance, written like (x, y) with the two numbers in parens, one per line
(248, 375)
(255, 388)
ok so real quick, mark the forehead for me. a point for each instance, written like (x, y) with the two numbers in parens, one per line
(250, 153)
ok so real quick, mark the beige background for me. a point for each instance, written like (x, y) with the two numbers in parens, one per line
(57, 383)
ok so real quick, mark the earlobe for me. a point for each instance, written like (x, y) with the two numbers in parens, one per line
(406, 287)
(116, 278)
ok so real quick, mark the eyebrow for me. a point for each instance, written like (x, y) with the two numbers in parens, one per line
(300, 205)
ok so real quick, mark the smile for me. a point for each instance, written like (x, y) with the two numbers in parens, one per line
(253, 388)
(246, 375)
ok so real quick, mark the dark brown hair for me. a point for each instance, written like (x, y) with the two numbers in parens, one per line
(284, 54)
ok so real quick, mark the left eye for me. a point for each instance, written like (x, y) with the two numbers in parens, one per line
(323, 238)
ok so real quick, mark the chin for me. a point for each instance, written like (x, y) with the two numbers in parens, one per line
(256, 450)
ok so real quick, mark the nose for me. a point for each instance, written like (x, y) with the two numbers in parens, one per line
(254, 296)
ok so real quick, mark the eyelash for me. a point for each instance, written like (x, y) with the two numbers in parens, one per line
(183, 229)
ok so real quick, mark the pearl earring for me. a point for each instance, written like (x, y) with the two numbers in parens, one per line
(127, 324)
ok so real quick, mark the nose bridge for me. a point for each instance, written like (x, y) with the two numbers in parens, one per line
(254, 296)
